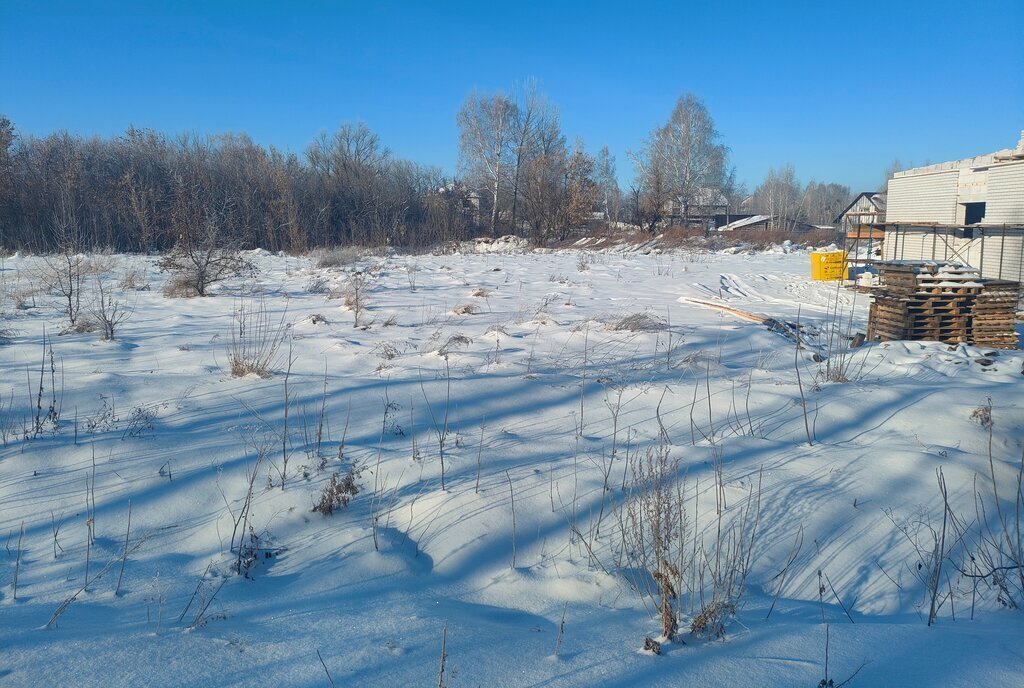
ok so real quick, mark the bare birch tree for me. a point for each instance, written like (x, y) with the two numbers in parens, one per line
(610, 195)
(682, 161)
(779, 196)
(485, 124)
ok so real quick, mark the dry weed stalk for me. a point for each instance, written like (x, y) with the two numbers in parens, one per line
(256, 338)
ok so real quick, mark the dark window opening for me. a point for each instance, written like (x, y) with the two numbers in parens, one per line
(973, 213)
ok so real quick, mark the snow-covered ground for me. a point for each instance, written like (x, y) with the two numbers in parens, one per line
(547, 375)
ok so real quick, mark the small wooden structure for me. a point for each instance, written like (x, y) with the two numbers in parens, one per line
(945, 302)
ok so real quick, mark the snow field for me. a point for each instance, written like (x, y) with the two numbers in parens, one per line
(551, 368)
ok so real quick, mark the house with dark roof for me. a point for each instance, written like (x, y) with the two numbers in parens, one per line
(867, 208)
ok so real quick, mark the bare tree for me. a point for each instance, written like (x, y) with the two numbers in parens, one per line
(204, 257)
(779, 196)
(581, 191)
(65, 272)
(485, 124)
(534, 117)
(682, 162)
(822, 202)
(610, 195)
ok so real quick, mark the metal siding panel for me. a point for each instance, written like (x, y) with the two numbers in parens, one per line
(915, 246)
(1011, 259)
(1003, 257)
(923, 198)
(1005, 202)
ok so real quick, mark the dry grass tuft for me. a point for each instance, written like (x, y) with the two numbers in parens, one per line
(338, 257)
(133, 279)
(337, 493)
(317, 284)
(256, 339)
(638, 322)
(180, 287)
(710, 622)
(466, 309)
(454, 342)
(983, 415)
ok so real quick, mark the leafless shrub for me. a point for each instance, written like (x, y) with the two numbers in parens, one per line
(102, 263)
(108, 311)
(387, 351)
(6, 333)
(337, 493)
(582, 262)
(133, 279)
(480, 293)
(659, 539)
(24, 297)
(638, 322)
(412, 269)
(65, 275)
(838, 340)
(355, 295)
(45, 418)
(205, 257)
(140, 421)
(247, 548)
(256, 339)
(991, 545)
(654, 528)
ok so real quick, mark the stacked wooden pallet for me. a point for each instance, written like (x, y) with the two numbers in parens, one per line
(943, 302)
(995, 314)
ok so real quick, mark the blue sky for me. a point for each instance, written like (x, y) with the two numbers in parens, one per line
(837, 89)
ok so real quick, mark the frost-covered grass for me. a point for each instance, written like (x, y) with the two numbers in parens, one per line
(543, 393)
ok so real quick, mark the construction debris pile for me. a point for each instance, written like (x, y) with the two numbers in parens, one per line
(945, 302)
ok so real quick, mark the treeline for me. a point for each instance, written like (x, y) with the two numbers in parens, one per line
(146, 191)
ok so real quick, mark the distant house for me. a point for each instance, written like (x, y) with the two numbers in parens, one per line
(764, 223)
(747, 222)
(969, 211)
(459, 196)
(867, 208)
(700, 211)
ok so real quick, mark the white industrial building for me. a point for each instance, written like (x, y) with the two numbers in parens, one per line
(969, 211)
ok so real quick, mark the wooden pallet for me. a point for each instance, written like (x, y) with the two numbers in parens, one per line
(944, 302)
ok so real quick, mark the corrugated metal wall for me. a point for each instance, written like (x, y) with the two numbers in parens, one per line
(1005, 203)
(923, 198)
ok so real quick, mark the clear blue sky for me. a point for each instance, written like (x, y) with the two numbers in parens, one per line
(838, 89)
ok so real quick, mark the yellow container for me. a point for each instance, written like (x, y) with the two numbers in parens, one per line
(828, 265)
